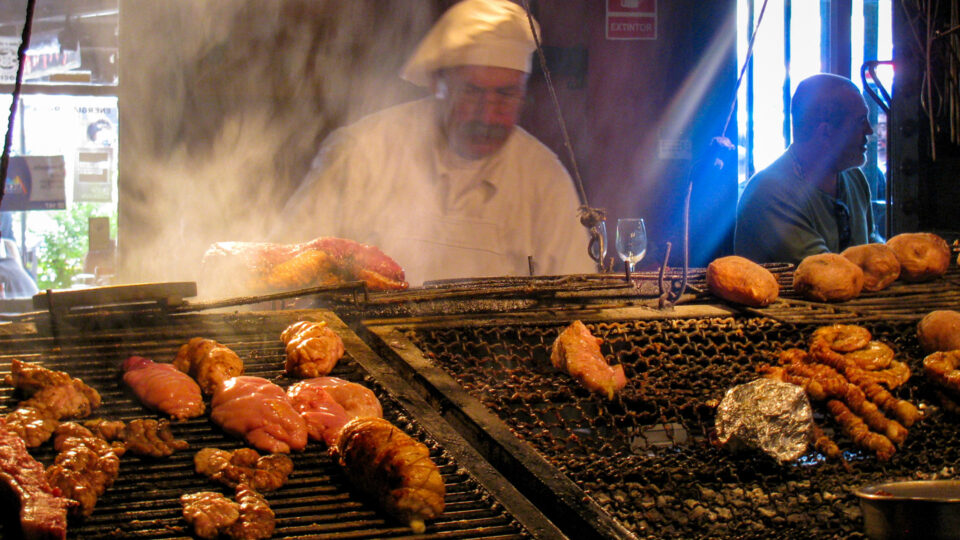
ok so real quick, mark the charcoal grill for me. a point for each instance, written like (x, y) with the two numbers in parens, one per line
(500, 296)
(645, 463)
(318, 501)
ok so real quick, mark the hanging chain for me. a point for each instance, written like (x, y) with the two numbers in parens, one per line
(589, 217)
(21, 53)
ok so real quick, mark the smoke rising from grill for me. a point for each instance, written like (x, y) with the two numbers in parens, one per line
(224, 104)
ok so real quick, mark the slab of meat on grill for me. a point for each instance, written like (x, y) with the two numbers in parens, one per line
(210, 513)
(323, 415)
(577, 352)
(391, 466)
(84, 468)
(30, 378)
(313, 349)
(244, 466)
(163, 388)
(356, 399)
(215, 516)
(208, 362)
(34, 426)
(53, 391)
(43, 509)
(69, 434)
(260, 412)
(305, 269)
(258, 267)
(141, 436)
(151, 437)
(256, 519)
(52, 395)
(327, 403)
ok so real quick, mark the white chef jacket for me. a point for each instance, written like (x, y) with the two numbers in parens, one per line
(388, 181)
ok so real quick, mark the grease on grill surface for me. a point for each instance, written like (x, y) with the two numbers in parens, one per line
(646, 457)
(317, 501)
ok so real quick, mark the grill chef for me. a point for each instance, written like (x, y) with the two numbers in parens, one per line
(449, 185)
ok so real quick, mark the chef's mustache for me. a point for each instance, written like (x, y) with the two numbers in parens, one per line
(486, 131)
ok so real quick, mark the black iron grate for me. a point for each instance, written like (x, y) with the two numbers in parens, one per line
(317, 502)
(646, 456)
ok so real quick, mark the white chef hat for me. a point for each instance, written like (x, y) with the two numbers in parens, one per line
(474, 32)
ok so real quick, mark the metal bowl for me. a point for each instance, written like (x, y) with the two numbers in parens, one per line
(928, 509)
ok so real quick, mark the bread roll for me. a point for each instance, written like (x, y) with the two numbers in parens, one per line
(922, 256)
(827, 277)
(939, 331)
(742, 281)
(879, 264)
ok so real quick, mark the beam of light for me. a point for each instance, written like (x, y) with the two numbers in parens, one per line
(689, 98)
(713, 207)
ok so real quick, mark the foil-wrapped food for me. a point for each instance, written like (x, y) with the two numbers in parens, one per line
(262, 267)
(766, 415)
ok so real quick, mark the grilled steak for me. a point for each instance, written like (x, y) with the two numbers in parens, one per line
(43, 512)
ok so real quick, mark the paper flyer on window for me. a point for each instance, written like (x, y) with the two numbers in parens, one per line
(35, 183)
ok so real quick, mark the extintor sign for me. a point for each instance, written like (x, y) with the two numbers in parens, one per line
(631, 19)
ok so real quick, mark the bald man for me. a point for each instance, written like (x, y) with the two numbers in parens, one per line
(814, 198)
(449, 185)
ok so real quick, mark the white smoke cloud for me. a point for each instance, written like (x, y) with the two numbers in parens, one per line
(223, 104)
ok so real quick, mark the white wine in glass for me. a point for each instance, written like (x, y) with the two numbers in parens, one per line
(631, 241)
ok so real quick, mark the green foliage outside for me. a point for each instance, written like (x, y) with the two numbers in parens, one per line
(63, 247)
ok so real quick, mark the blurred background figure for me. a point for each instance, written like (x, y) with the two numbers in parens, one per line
(15, 282)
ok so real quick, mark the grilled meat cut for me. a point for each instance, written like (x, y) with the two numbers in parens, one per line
(309, 268)
(30, 378)
(34, 426)
(260, 412)
(208, 362)
(357, 400)
(33, 380)
(108, 429)
(388, 464)
(84, 468)
(256, 519)
(327, 403)
(577, 352)
(244, 466)
(53, 395)
(259, 267)
(313, 349)
(323, 415)
(43, 509)
(215, 516)
(163, 388)
(211, 514)
(141, 436)
(73, 400)
(150, 437)
(70, 434)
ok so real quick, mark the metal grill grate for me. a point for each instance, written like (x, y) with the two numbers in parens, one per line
(646, 456)
(318, 501)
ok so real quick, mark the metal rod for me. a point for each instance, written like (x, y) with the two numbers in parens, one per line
(21, 53)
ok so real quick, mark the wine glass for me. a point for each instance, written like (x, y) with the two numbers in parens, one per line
(631, 241)
(598, 243)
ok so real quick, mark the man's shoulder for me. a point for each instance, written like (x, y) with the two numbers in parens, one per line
(775, 180)
(529, 150)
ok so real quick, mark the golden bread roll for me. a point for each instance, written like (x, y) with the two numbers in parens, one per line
(742, 281)
(939, 331)
(827, 277)
(922, 256)
(879, 264)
